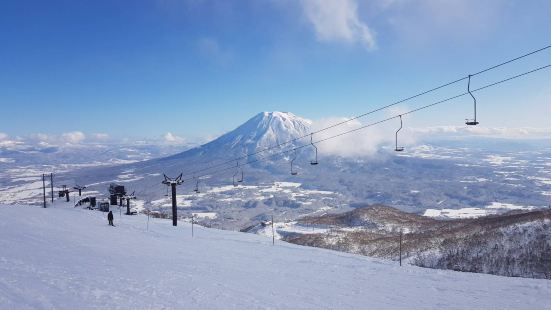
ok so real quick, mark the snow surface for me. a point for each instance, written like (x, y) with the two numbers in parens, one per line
(68, 258)
(292, 191)
(205, 215)
(497, 160)
(493, 208)
(282, 228)
(456, 213)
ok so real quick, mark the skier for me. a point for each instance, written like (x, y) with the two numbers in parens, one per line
(110, 218)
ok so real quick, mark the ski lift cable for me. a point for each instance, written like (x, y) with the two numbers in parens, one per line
(279, 145)
(383, 120)
(434, 89)
(437, 103)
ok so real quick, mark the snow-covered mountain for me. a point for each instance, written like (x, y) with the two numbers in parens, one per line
(263, 130)
(436, 177)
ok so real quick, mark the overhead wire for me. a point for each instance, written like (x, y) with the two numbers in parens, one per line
(279, 145)
(381, 121)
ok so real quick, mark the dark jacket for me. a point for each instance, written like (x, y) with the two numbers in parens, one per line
(110, 216)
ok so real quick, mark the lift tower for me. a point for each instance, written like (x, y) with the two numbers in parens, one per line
(173, 183)
(128, 198)
(79, 189)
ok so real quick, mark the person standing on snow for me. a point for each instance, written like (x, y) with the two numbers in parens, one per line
(110, 218)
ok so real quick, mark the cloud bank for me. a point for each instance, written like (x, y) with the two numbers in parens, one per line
(371, 141)
(73, 137)
(171, 138)
(364, 142)
(479, 131)
(338, 21)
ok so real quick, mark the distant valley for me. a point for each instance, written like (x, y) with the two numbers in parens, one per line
(444, 179)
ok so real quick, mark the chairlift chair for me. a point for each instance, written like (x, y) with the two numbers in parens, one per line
(241, 179)
(471, 122)
(399, 148)
(196, 190)
(292, 160)
(235, 184)
(315, 161)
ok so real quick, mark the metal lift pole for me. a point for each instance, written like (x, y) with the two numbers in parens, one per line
(174, 209)
(44, 188)
(173, 183)
(52, 186)
(400, 247)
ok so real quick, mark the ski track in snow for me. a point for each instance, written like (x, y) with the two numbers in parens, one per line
(67, 258)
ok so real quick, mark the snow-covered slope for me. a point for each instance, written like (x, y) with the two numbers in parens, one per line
(66, 258)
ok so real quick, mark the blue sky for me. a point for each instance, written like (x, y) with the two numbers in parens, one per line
(197, 68)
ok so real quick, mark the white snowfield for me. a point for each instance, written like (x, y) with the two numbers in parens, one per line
(66, 258)
(465, 213)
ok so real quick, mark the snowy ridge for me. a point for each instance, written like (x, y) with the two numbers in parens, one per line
(497, 244)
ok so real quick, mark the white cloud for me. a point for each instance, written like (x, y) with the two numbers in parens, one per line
(41, 137)
(370, 141)
(100, 136)
(338, 20)
(73, 137)
(173, 139)
(493, 132)
(361, 143)
(6, 142)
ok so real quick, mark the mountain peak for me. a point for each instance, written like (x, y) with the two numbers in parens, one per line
(276, 117)
(263, 130)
